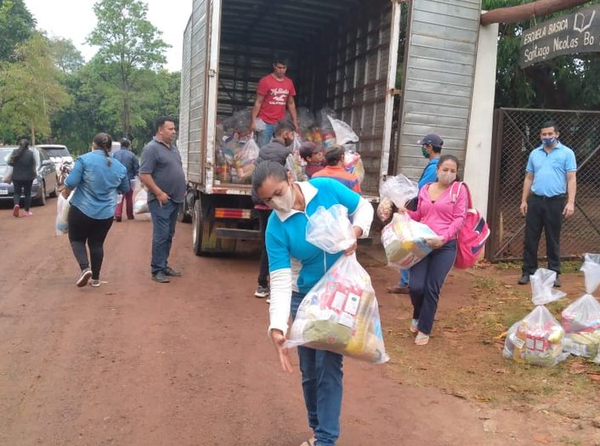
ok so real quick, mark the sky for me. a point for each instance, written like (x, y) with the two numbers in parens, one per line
(75, 19)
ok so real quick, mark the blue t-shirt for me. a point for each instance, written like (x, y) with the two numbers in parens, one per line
(429, 175)
(286, 240)
(96, 184)
(550, 170)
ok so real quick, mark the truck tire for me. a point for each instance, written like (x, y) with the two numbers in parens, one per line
(197, 228)
(183, 216)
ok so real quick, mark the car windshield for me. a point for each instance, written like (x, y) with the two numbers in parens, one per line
(5, 155)
(57, 151)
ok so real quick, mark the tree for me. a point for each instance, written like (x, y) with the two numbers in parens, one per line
(16, 26)
(68, 58)
(566, 82)
(29, 89)
(128, 40)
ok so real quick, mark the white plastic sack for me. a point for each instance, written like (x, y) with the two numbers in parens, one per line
(542, 287)
(400, 190)
(63, 206)
(538, 338)
(296, 165)
(343, 132)
(581, 319)
(330, 229)
(341, 314)
(405, 241)
(8, 173)
(140, 205)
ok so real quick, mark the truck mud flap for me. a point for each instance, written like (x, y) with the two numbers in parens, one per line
(238, 234)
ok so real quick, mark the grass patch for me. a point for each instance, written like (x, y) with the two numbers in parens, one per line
(464, 357)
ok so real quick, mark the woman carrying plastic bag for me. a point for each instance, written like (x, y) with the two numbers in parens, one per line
(538, 338)
(581, 319)
(293, 205)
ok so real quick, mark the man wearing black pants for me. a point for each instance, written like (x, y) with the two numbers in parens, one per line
(548, 196)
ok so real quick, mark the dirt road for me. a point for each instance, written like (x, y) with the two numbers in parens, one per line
(186, 363)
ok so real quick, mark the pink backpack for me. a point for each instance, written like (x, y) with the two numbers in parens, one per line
(472, 235)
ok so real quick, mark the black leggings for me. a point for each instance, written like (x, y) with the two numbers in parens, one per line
(84, 229)
(25, 188)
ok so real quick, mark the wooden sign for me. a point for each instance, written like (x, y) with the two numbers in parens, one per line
(570, 34)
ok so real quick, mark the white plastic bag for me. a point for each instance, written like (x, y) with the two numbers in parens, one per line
(581, 319)
(343, 132)
(330, 229)
(8, 174)
(244, 160)
(400, 189)
(405, 241)
(538, 338)
(140, 206)
(341, 314)
(354, 165)
(63, 206)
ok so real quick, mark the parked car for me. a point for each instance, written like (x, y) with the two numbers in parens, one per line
(46, 183)
(58, 153)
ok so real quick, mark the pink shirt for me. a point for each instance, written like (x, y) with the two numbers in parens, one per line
(443, 216)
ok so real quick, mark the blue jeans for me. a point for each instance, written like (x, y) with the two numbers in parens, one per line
(263, 138)
(426, 280)
(404, 278)
(164, 219)
(322, 383)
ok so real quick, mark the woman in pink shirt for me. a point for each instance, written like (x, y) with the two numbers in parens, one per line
(445, 215)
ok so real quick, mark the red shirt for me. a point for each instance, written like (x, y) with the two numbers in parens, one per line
(276, 93)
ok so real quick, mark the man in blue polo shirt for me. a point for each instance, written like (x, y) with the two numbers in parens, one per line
(431, 148)
(548, 196)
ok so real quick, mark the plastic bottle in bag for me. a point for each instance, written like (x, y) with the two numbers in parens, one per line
(538, 338)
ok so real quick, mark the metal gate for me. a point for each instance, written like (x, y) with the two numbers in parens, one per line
(516, 133)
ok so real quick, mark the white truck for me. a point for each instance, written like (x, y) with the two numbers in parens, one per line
(342, 54)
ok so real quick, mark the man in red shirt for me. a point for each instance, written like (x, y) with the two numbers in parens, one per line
(275, 91)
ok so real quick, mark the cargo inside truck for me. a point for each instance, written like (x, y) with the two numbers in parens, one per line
(341, 54)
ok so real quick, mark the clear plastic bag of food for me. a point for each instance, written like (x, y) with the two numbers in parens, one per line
(538, 338)
(341, 314)
(306, 119)
(385, 209)
(330, 229)
(581, 319)
(354, 165)
(296, 165)
(405, 241)
(62, 214)
(400, 190)
(244, 160)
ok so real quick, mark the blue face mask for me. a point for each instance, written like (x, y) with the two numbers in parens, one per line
(548, 141)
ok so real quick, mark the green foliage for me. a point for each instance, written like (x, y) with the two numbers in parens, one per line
(68, 58)
(29, 90)
(16, 26)
(566, 82)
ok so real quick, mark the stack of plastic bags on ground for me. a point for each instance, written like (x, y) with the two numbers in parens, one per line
(581, 319)
(538, 338)
(340, 313)
(404, 240)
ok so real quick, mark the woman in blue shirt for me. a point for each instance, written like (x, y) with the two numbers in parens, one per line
(97, 179)
(295, 266)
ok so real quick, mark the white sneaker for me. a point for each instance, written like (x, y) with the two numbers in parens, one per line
(262, 292)
(95, 283)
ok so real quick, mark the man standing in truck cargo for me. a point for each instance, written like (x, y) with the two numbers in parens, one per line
(275, 92)
(162, 173)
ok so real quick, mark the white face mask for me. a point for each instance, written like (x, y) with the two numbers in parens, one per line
(283, 203)
(446, 177)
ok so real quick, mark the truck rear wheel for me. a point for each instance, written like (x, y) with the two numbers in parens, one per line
(197, 227)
